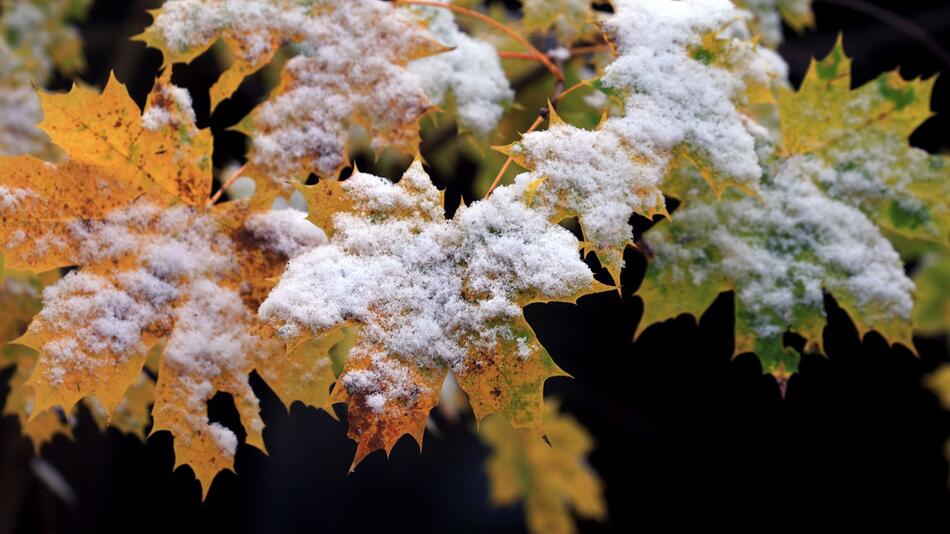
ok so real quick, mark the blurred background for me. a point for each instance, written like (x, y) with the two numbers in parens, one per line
(686, 440)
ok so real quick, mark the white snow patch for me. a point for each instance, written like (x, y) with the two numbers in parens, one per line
(425, 288)
(471, 71)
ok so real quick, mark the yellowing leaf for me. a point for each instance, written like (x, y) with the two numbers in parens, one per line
(162, 148)
(40, 426)
(305, 374)
(155, 266)
(431, 295)
(846, 178)
(685, 92)
(779, 252)
(551, 478)
(863, 135)
(351, 71)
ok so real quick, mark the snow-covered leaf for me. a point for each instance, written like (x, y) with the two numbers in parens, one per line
(431, 295)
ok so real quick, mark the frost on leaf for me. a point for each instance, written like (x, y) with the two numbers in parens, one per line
(683, 88)
(471, 71)
(351, 70)
(570, 19)
(863, 134)
(778, 252)
(155, 267)
(430, 295)
(550, 478)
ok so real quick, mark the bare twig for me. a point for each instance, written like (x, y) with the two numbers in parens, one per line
(225, 185)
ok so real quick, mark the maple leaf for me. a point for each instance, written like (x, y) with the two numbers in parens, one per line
(682, 87)
(155, 267)
(551, 478)
(844, 162)
(778, 252)
(430, 295)
(570, 19)
(863, 134)
(471, 71)
(351, 71)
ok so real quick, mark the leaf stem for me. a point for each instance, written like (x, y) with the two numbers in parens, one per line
(504, 168)
(569, 90)
(225, 185)
(495, 24)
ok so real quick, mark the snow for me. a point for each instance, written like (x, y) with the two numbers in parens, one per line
(285, 231)
(471, 71)
(10, 197)
(559, 54)
(200, 346)
(424, 288)
(177, 111)
(352, 67)
(225, 439)
(594, 174)
(671, 100)
(170, 271)
(781, 251)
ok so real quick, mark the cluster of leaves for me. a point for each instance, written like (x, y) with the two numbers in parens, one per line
(783, 194)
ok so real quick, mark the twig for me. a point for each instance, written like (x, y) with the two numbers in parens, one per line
(542, 114)
(569, 90)
(494, 23)
(225, 185)
(504, 54)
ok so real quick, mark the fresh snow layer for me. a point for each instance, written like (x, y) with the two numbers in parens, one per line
(783, 249)
(175, 273)
(352, 66)
(425, 289)
(671, 100)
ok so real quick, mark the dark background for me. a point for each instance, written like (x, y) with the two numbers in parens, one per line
(688, 441)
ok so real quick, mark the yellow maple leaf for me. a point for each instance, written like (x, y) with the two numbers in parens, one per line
(155, 265)
(351, 71)
(863, 134)
(551, 478)
(431, 295)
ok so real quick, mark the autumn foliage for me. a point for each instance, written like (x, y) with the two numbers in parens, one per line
(134, 284)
